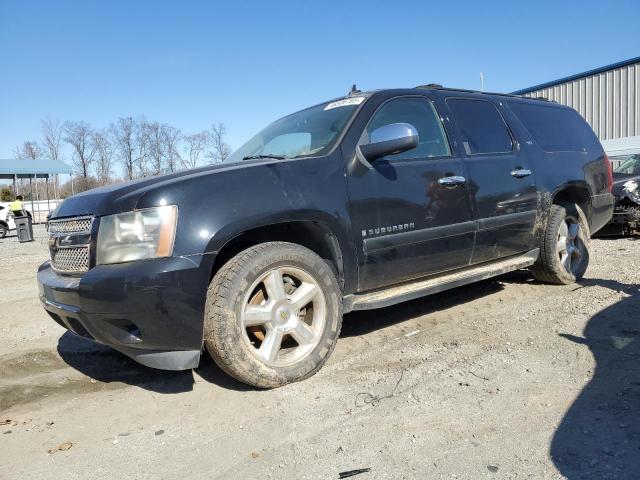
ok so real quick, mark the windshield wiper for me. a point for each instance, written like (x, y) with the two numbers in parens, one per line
(264, 155)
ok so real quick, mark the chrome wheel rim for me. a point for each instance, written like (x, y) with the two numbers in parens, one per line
(283, 316)
(567, 246)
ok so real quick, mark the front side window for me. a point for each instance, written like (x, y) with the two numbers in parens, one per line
(481, 126)
(310, 132)
(420, 113)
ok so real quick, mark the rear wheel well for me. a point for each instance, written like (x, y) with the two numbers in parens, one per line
(575, 195)
(312, 235)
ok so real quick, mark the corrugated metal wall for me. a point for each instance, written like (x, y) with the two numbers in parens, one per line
(609, 101)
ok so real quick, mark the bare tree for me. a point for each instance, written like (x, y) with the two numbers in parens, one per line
(104, 156)
(79, 136)
(155, 145)
(141, 143)
(171, 138)
(29, 150)
(195, 147)
(123, 133)
(51, 138)
(220, 149)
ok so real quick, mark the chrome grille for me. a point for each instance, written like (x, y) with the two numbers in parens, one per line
(71, 260)
(69, 244)
(75, 225)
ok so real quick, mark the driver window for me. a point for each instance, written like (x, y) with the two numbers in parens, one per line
(422, 115)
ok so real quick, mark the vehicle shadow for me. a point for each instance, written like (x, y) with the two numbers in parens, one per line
(362, 322)
(106, 365)
(599, 436)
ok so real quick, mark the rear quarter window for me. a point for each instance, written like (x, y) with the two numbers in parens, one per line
(556, 129)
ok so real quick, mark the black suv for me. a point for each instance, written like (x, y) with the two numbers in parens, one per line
(357, 203)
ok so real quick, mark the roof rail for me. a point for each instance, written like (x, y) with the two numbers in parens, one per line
(430, 85)
(465, 90)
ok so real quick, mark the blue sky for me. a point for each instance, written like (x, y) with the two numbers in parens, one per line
(191, 63)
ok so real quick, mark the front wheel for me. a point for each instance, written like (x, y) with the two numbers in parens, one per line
(564, 252)
(273, 314)
(3, 230)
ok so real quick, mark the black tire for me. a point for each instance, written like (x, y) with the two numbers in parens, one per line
(550, 267)
(3, 230)
(226, 337)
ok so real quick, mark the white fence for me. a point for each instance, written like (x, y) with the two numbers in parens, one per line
(41, 208)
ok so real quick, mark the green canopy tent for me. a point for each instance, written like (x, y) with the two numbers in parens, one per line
(33, 170)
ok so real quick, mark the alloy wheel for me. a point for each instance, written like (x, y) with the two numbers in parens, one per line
(283, 316)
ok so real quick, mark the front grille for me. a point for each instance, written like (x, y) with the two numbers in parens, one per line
(75, 225)
(69, 240)
(71, 260)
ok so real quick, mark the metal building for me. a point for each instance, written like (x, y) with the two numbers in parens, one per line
(608, 98)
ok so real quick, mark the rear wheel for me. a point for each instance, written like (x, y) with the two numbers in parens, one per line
(273, 314)
(3, 229)
(564, 253)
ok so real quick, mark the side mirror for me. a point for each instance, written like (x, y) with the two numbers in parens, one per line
(390, 139)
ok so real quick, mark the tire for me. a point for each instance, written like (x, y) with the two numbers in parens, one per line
(564, 250)
(272, 293)
(3, 230)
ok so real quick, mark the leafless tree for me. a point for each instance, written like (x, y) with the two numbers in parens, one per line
(220, 150)
(104, 156)
(123, 133)
(171, 138)
(153, 132)
(195, 145)
(29, 150)
(79, 136)
(51, 138)
(141, 147)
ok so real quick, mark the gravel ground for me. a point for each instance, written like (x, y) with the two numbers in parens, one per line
(503, 379)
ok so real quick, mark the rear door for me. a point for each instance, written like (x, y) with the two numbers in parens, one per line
(501, 181)
(407, 223)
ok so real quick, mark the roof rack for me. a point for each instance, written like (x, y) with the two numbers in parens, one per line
(430, 85)
(437, 86)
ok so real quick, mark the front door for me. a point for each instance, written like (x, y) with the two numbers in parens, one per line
(502, 184)
(411, 210)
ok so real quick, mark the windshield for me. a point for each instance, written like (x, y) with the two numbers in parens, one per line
(310, 132)
(630, 166)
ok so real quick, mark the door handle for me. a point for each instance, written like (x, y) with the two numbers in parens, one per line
(520, 173)
(452, 181)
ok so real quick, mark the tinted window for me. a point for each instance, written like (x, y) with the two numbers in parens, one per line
(556, 129)
(482, 128)
(421, 114)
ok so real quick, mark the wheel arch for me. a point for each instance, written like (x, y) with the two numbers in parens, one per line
(315, 235)
(577, 193)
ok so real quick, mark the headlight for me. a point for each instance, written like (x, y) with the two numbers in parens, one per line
(147, 233)
(631, 188)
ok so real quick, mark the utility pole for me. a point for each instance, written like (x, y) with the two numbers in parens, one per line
(481, 82)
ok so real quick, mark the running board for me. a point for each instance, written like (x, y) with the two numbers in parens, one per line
(428, 286)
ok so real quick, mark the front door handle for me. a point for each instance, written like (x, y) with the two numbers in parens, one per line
(520, 173)
(452, 181)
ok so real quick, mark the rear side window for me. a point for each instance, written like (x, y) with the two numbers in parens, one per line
(556, 129)
(482, 127)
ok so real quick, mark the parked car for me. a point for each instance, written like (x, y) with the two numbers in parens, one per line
(626, 212)
(356, 203)
(7, 223)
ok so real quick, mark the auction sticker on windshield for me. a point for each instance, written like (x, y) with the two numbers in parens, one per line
(344, 102)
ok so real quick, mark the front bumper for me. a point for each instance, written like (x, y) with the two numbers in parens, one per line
(151, 310)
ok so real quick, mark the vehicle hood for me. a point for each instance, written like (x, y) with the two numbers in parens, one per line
(127, 196)
(621, 186)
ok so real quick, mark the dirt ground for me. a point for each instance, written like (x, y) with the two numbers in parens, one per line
(503, 379)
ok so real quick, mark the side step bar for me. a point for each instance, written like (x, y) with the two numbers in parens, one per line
(440, 283)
